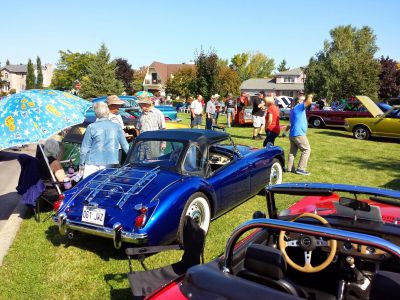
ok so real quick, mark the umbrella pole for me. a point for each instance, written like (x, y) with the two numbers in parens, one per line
(51, 172)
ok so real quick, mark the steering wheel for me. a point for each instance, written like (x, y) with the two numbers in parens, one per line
(308, 244)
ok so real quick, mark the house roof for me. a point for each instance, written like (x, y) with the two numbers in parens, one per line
(165, 70)
(269, 84)
(295, 71)
(16, 68)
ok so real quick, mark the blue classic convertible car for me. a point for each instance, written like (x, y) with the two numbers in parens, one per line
(167, 175)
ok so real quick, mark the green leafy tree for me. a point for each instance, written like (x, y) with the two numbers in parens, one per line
(207, 73)
(72, 66)
(101, 78)
(228, 81)
(252, 65)
(282, 66)
(346, 66)
(182, 83)
(138, 78)
(30, 76)
(124, 73)
(39, 79)
(7, 62)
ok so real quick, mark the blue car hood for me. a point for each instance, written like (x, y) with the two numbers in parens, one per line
(123, 188)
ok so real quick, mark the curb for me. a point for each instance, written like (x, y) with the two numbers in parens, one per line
(10, 229)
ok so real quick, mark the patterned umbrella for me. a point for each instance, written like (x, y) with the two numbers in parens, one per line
(34, 115)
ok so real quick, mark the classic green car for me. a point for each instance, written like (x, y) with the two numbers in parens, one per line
(381, 124)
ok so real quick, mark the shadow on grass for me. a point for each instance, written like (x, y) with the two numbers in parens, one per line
(338, 133)
(377, 164)
(113, 279)
(102, 247)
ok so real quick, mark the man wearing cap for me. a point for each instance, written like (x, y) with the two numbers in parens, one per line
(297, 135)
(151, 118)
(258, 115)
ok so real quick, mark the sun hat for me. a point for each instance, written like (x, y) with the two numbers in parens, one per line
(144, 99)
(113, 99)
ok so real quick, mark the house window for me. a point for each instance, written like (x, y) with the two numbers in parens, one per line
(153, 77)
(288, 79)
(6, 75)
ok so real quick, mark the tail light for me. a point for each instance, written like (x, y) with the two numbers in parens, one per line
(142, 217)
(59, 202)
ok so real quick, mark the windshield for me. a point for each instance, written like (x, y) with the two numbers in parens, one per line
(165, 154)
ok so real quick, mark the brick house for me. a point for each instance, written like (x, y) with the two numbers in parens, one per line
(158, 73)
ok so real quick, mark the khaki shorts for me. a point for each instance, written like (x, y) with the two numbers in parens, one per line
(258, 121)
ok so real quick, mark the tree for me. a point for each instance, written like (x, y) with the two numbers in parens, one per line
(124, 73)
(228, 81)
(138, 78)
(206, 73)
(7, 62)
(388, 78)
(30, 76)
(72, 66)
(252, 65)
(346, 66)
(182, 83)
(282, 66)
(39, 79)
(101, 78)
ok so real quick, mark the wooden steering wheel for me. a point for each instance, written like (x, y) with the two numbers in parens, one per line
(307, 243)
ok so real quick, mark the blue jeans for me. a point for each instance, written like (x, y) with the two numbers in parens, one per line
(230, 112)
(271, 136)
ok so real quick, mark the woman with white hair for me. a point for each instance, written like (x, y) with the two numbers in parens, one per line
(51, 149)
(100, 143)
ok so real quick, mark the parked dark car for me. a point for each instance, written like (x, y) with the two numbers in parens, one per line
(353, 109)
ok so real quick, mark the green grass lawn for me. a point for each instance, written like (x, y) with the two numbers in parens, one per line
(43, 265)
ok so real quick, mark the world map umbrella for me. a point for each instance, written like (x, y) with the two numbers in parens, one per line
(34, 115)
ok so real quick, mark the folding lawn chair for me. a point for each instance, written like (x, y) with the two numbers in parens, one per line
(145, 282)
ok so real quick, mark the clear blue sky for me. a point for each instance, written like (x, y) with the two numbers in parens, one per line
(170, 31)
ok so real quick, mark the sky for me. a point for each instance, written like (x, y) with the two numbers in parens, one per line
(171, 31)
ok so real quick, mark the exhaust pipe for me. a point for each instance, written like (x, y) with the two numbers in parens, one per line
(71, 235)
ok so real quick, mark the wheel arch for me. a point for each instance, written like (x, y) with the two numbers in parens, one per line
(313, 117)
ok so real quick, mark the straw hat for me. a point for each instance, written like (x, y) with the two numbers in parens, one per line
(113, 99)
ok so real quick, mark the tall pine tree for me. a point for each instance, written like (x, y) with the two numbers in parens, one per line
(7, 62)
(101, 79)
(39, 79)
(282, 66)
(30, 76)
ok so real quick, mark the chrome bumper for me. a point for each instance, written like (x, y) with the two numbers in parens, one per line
(116, 233)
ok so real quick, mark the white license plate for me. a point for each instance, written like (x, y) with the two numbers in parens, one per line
(93, 215)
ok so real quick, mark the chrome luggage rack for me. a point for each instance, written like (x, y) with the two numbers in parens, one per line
(97, 185)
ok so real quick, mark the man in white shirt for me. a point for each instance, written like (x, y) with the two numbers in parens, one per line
(196, 109)
(114, 104)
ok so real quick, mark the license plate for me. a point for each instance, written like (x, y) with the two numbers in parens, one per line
(93, 215)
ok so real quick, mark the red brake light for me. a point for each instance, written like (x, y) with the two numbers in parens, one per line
(139, 221)
(56, 205)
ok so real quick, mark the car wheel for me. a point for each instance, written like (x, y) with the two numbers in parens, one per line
(361, 133)
(276, 174)
(198, 208)
(316, 122)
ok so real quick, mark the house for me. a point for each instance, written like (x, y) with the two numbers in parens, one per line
(286, 83)
(14, 76)
(158, 73)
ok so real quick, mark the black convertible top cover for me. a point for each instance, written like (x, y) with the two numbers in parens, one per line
(194, 135)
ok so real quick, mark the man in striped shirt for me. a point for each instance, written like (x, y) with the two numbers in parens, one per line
(151, 118)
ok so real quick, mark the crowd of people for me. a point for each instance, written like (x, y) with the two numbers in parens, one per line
(104, 140)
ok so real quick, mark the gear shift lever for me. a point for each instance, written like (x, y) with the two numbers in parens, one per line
(358, 276)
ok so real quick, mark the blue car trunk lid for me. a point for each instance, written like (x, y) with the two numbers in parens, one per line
(124, 188)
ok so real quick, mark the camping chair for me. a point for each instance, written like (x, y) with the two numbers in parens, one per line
(145, 282)
(53, 187)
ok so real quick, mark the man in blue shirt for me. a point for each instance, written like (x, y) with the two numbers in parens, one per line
(297, 135)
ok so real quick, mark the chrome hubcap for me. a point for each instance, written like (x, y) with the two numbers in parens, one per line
(196, 212)
(275, 174)
(361, 133)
